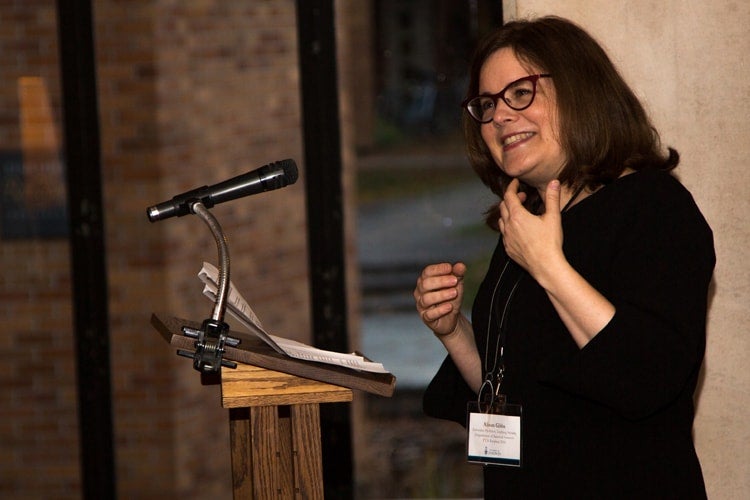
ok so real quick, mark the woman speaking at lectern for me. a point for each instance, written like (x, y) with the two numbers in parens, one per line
(588, 331)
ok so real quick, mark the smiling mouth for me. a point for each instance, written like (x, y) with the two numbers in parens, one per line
(513, 139)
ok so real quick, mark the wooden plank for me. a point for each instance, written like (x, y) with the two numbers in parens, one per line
(283, 444)
(286, 460)
(264, 424)
(242, 462)
(249, 385)
(254, 351)
(308, 453)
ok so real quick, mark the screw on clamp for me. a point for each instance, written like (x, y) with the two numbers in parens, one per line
(210, 341)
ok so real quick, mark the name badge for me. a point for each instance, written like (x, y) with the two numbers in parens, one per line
(494, 433)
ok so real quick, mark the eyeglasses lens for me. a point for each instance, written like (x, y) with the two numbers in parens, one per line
(518, 96)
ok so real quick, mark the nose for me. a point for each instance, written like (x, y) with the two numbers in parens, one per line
(503, 113)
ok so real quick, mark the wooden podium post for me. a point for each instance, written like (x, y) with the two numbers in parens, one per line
(274, 422)
(274, 412)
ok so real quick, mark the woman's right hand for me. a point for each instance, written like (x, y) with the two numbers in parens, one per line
(438, 296)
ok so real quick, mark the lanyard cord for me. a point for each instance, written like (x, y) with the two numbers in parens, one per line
(498, 367)
(489, 323)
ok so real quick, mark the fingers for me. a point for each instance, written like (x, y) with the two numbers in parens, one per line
(512, 200)
(442, 273)
(459, 270)
(436, 270)
(438, 293)
(437, 284)
(530, 239)
(511, 195)
(552, 197)
(432, 315)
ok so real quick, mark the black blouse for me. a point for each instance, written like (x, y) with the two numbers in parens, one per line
(614, 419)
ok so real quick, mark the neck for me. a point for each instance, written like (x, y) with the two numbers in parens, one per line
(573, 197)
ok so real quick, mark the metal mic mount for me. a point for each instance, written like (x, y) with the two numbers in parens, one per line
(211, 338)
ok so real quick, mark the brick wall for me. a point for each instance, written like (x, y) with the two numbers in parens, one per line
(196, 92)
(191, 93)
(38, 404)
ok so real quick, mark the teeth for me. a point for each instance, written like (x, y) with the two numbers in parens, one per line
(515, 138)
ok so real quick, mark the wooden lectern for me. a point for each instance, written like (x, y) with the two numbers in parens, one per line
(274, 412)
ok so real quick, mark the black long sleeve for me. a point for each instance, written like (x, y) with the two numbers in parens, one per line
(614, 419)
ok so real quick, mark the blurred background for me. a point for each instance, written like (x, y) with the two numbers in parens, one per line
(108, 107)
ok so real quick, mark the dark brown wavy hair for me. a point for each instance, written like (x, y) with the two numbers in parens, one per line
(604, 129)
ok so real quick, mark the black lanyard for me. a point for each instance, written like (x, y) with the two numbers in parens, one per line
(494, 374)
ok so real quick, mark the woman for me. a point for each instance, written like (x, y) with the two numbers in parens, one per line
(592, 315)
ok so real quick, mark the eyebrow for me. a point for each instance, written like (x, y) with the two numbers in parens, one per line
(481, 93)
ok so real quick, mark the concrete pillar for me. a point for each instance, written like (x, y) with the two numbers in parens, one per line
(687, 60)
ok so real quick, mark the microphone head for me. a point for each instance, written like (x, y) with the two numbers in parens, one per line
(290, 170)
(276, 174)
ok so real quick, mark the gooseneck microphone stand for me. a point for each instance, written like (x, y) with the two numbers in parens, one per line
(212, 337)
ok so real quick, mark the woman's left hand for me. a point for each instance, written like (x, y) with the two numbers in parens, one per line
(532, 241)
(535, 243)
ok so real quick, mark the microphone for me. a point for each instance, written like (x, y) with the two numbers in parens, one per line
(266, 178)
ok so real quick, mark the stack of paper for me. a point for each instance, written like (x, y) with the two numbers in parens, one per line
(238, 307)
